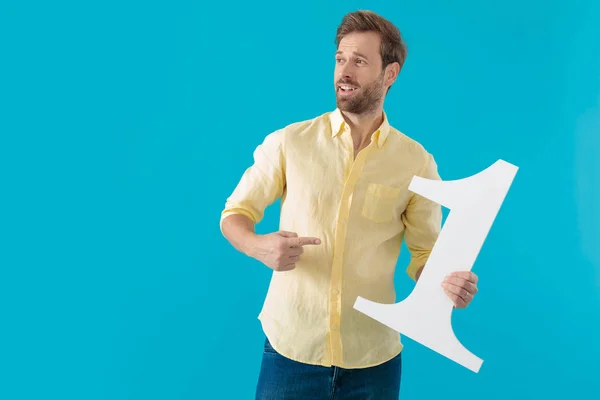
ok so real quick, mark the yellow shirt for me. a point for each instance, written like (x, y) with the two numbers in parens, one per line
(361, 209)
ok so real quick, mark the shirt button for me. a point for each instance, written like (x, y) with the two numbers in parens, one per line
(335, 291)
(335, 327)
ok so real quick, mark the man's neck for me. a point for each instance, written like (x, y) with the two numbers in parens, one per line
(362, 126)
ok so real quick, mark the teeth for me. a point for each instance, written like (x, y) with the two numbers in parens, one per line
(346, 87)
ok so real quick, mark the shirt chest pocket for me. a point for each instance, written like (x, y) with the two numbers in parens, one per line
(380, 202)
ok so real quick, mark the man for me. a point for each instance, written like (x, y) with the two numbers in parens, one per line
(345, 208)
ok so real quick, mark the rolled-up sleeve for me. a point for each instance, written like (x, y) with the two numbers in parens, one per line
(423, 222)
(262, 183)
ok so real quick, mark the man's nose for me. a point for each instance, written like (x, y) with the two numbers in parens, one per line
(346, 72)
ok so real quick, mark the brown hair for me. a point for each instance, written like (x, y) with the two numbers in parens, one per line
(393, 48)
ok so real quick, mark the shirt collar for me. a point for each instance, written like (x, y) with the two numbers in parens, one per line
(338, 125)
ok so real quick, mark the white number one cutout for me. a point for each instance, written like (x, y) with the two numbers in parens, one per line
(425, 315)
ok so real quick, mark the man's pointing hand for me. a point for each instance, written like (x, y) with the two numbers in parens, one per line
(281, 250)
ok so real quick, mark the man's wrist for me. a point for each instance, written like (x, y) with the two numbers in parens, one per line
(251, 244)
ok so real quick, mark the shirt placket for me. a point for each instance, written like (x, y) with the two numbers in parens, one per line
(335, 290)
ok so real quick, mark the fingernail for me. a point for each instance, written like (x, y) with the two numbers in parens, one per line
(317, 241)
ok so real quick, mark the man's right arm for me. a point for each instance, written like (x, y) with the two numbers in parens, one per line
(260, 186)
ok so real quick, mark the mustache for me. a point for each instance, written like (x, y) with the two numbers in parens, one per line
(347, 82)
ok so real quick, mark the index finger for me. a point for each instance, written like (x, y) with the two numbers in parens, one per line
(303, 241)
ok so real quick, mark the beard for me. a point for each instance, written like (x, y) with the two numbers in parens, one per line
(363, 102)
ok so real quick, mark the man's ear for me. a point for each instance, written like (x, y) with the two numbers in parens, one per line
(391, 73)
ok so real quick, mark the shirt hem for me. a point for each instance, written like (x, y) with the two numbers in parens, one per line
(275, 346)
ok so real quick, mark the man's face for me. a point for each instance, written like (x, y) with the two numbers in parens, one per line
(360, 83)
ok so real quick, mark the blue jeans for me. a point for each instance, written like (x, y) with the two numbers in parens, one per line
(281, 379)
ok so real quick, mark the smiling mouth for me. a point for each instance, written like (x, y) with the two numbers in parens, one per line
(347, 88)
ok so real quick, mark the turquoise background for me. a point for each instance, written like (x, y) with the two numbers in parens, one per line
(125, 125)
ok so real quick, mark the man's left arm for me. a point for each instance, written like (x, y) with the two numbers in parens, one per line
(423, 223)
